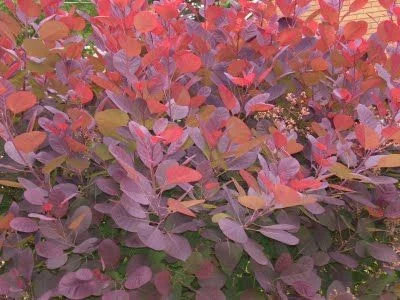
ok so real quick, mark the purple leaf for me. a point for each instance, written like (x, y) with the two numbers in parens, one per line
(24, 263)
(177, 247)
(124, 159)
(23, 225)
(125, 65)
(283, 262)
(126, 221)
(304, 289)
(138, 192)
(56, 262)
(133, 208)
(288, 167)
(382, 252)
(344, 259)
(298, 271)
(256, 252)
(209, 293)
(48, 249)
(71, 287)
(109, 253)
(139, 277)
(280, 235)
(116, 295)
(20, 158)
(228, 255)
(123, 102)
(233, 230)
(87, 246)
(36, 196)
(152, 237)
(108, 186)
(80, 220)
(162, 282)
(84, 274)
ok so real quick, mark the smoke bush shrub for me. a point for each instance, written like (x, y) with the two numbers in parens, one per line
(232, 151)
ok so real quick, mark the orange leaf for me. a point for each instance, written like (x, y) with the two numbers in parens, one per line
(286, 197)
(29, 141)
(252, 202)
(238, 131)
(188, 63)
(20, 101)
(343, 122)
(367, 137)
(5, 221)
(145, 21)
(293, 147)
(191, 203)
(182, 174)
(74, 145)
(176, 206)
(53, 30)
(319, 64)
(105, 84)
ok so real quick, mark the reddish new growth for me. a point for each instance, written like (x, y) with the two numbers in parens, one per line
(182, 150)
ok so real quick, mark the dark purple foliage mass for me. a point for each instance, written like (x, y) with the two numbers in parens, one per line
(232, 150)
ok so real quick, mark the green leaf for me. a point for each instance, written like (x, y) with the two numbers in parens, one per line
(341, 171)
(109, 120)
(10, 183)
(54, 163)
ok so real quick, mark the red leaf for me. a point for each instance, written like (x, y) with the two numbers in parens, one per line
(83, 92)
(388, 31)
(342, 94)
(20, 101)
(145, 21)
(167, 10)
(357, 5)
(330, 14)
(286, 7)
(342, 122)
(29, 8)
(280, 140)
(387, 3)
(29, 141)
(171, 134)
(355, 30)
(180, 94)
(181, 174)
(250, 180)
(228, 98)
(131, 45)
(188, 63)
(246, 81)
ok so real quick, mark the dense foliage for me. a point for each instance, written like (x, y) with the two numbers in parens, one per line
(167, 151)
